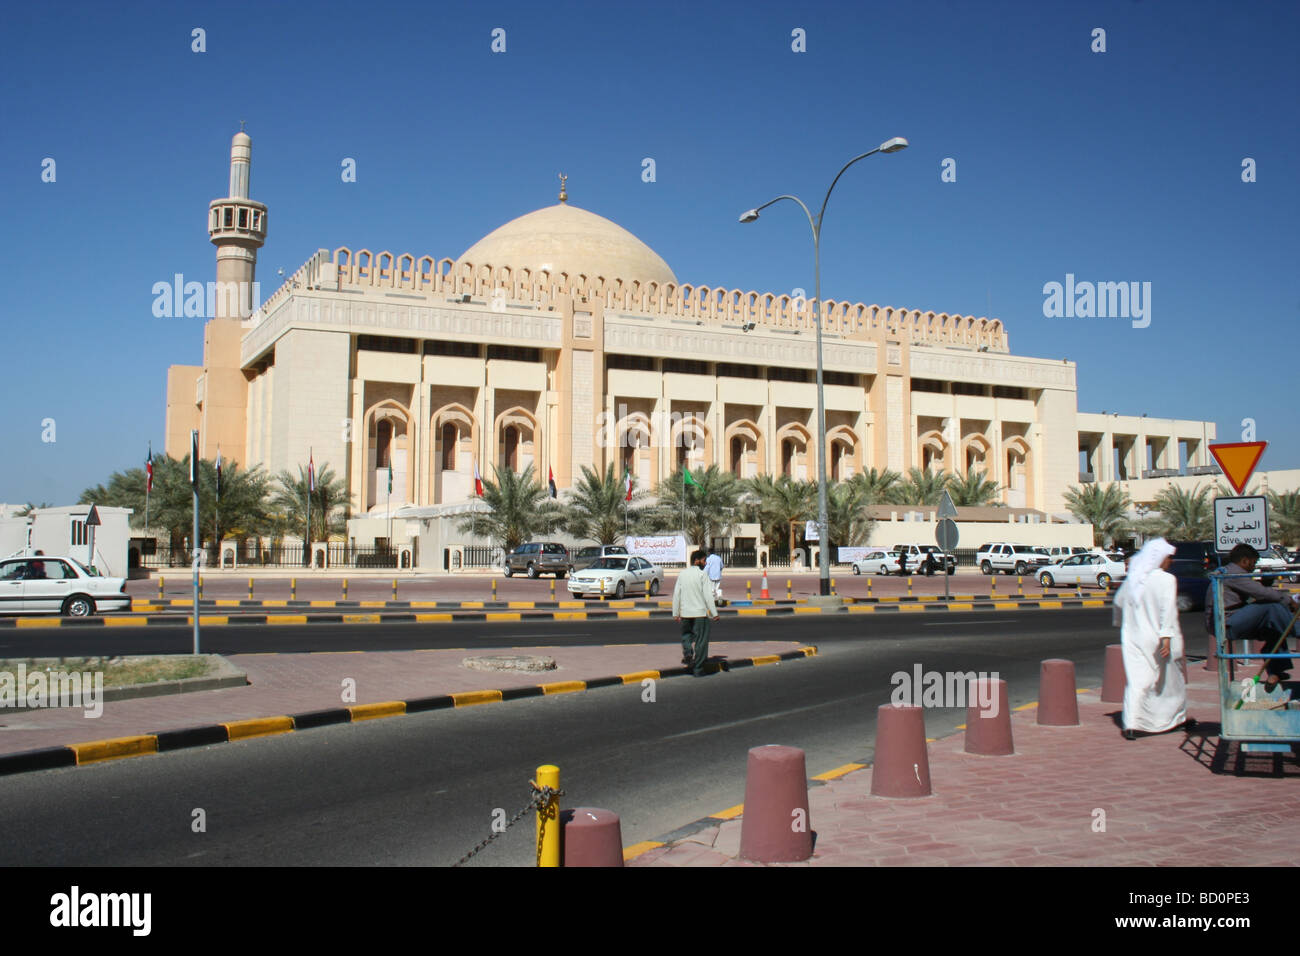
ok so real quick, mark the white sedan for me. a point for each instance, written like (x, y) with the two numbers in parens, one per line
(876, 562)
(57, 585)
(614, 576)
(1092, 568)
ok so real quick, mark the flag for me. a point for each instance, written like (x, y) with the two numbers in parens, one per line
(390, 476)
(550, 480)
(194, 459)
(627, 485)
(218, 471)
(311, 472)
(688, 479)
(478, 482)
(148, 470)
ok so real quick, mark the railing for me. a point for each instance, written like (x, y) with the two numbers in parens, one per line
(737, 558)
(287, 556)
(478, 556)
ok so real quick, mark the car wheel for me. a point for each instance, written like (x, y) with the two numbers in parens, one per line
(856, 570)
(1045, 580)
(509, 571)
(986, 568)
(619, 591)
(1185, 603)
(1021, 567)
(654, 586)
(532, 570)
(1103, 581)
(78, 606)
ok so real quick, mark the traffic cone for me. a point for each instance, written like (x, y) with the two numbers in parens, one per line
(763, 594)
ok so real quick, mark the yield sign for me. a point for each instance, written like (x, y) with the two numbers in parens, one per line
(946, 508)
(92, 518)
(1238, 460)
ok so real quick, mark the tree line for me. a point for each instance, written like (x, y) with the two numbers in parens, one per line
(1182, 515)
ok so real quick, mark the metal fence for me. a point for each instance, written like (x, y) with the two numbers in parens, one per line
(481, 556)
(249, 556)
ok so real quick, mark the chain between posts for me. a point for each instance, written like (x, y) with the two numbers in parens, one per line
(542, 797)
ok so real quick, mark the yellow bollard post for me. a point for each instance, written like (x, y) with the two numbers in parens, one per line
(909, 587)
(345, 589)
(250, 589)
(749, 590)
(602, 589)
(394, 589)
(789, 593)
(868, 587)
(200, 587)
(832, 587)
(548, 818)
(1020, 584)
(993, 584)
(160, 587)
(552, 589)
(494, 589)
(293, 589)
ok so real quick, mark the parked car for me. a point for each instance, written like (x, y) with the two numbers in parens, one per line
(586, 557)
(614, 576)
(1061, 553)
(1011, 558)
(942, 559)
(1096, 568)
(539, 557)
(876, 561)
(58, 585)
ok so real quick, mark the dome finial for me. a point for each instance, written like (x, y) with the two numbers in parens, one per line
(564, 196)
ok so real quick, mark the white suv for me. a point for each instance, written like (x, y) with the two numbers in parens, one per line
(57, 585)
(1011, 558)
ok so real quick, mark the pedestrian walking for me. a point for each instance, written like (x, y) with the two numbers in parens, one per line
(694, 609)
(1155, 696)
(713, 568)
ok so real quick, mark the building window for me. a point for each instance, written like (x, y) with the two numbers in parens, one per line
(739, 371)
(383, 443)
(787, 458)
(229, 217)
(642, 363)
(450, 439)
(511, 453)
(514, 353)
(686, 366)
(737, 455)
(243, 219)
(778, 374)
(385, 343)
(457, 349)
(1010, 391)
(969, 388)
(79, 535)
(839, 378)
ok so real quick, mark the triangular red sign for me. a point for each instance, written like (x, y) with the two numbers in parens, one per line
(1238, 460)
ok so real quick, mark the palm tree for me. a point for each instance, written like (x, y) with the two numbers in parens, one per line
(597, 508)
(783, 504)
(975, 490)
(1284, 515)
(331, 504)
(878, 487)
(1103, 508)
(1186, 515)
(846, 514)
(712, 504)
(519, 508)
(923, 487)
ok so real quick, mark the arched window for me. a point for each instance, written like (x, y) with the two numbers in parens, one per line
(511, 450)
(787, 458)
(737, 454)
(383, 443)
(450, 439)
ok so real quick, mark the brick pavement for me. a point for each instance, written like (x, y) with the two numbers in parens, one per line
(1175, 799)
(297, 683)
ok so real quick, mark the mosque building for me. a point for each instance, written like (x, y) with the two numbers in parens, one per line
(561, 340)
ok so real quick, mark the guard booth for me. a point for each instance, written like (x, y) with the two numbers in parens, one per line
(1262, 722)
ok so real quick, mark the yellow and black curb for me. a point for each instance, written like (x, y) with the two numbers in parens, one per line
(615, 612)
(97, 751)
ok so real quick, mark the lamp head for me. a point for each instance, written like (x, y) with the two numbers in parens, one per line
(749, 216)
(893, 145)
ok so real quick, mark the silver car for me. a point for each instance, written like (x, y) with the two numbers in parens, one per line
(615, 576)
(57, 585)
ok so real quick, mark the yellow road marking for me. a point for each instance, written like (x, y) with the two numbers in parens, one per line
(962, 607)
(570, 616)
(636, 849)
(286, 619)
(809, 651)
(321, 603)
(1006, 605)
(861, 609)
(275, 604)
(121, 622)
(225, 603)
(115, 748)
(432, 618)
(839, 771)
(752, 611)
(912, 608)
(477, 604)
(564, 687)
(37, 622)
(728, 814)
(361, 618)
(767, 659)
(471, 697)
(387, 708)
(503, 616)
(639, 676)
(1050, 604)
(807, 610)
(1026, 706)
(372, 603)
(625, 615)
(258, 727)
(525, 605)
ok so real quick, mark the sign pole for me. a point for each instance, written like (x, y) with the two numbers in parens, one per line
(197, 551)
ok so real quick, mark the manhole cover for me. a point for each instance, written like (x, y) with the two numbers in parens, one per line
(509, 662)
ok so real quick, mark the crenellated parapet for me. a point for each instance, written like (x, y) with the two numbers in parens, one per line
(361, 268)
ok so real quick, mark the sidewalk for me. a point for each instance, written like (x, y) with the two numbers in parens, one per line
(1168, 800)
(289, 684)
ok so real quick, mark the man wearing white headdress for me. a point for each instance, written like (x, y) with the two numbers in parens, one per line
(1155, 698)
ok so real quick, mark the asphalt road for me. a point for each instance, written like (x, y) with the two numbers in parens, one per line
(423, 789)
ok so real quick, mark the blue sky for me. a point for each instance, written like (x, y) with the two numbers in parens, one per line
(1117, 166)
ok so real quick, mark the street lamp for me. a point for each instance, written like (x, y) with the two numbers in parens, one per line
(888, 146)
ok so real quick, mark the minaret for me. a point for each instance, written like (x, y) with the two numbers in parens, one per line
(237, 227)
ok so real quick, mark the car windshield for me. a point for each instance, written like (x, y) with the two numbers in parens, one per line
(610, 564)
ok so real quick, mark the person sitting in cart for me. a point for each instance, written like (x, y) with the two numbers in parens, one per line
(1252, 611)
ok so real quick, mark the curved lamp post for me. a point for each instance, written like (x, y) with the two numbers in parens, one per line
(889, 146)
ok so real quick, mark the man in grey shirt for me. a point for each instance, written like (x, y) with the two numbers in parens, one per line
(1265, 618)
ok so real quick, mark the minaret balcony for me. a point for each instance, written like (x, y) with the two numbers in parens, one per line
(238, 220)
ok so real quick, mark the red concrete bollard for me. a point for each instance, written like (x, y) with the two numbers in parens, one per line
(590, 837)
(988, 732)
(775, 827)
(1058, 704)
(901, 767)
(1114, 680)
